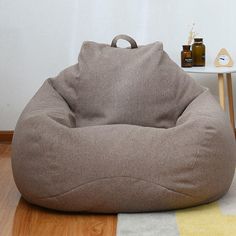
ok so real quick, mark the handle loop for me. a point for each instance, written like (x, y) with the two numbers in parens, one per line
(125, 37)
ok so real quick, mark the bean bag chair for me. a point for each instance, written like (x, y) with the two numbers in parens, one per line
(123, 130)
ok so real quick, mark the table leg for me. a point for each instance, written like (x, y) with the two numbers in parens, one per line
(221, 90)
(230, 98)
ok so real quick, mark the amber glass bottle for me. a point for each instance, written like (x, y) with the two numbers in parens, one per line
(186, 56)
(198, 52)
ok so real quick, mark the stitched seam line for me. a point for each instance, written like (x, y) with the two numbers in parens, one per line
(104, 178)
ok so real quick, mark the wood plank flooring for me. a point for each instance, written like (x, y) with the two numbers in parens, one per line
(19, 218)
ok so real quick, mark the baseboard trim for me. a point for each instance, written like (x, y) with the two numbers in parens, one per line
(6, 136)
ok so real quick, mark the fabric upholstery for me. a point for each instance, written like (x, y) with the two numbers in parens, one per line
(140, 86)
(75, 150)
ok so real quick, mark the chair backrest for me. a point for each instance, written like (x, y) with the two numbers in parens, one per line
(139, 85)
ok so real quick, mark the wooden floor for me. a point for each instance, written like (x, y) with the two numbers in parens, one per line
(19, 218)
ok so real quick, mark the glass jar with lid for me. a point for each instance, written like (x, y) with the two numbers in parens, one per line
(186, 56)
(198, 52)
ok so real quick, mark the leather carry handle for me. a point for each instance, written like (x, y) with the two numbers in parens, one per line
(125, 37)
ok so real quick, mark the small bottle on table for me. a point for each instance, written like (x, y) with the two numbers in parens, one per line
(186, 56)
(198, 52)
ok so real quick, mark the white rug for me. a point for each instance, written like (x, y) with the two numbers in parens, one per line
(214, 219)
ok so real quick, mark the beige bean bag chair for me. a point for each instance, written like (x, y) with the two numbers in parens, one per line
(123, 130)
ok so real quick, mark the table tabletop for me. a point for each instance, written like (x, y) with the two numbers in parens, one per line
(210, 70)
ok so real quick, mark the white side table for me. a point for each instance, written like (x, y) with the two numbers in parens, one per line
(221, 72)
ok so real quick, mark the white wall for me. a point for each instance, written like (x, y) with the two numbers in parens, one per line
(40, 38)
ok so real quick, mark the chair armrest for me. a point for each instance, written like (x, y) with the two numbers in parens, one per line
(48, 102)
(204, 105)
